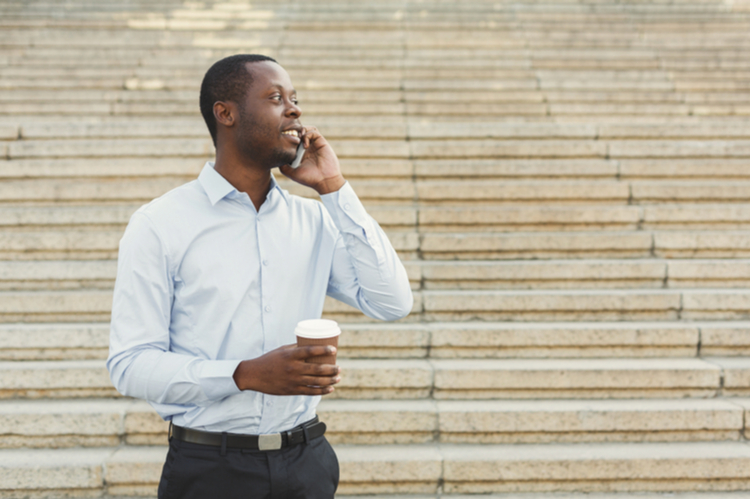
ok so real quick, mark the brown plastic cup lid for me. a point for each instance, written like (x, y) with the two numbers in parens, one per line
(317, 329)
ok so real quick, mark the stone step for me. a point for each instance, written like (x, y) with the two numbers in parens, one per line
(577, 378)
(583, 169)
(319, 120)
(95, 205)
(470, 148)
(586, 305)
(439, 217)
(117, 216)
(157, 96)
(415, 129)
(97, 243)
(463, 169)
(400, 379)
(681, 195)
(168, 147)
(68, 341)
(563, 191)
(678, 149)
(81, 232)
(500, 191)
(110, 422)
(444, 305)
(188, 168)
(614, 149)
(582, 274)
(690, 168)
(538, 245)
(144, 190)
(598, 378)
(417, 469)
(40, 102)
(189, 109)
(185, 129)
(438, 130)
(447, 275)
(516, 421)
(455, 216)
(95, 305)
(603, 244)
(471, 469)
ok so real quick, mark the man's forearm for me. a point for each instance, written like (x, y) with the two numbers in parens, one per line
(171, 378)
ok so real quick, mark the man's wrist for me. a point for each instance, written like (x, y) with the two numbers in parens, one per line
(328, 186)
(240, 375)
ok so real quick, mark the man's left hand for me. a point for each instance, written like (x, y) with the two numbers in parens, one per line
(320, 167)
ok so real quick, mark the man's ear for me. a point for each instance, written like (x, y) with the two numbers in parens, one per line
(225, 113)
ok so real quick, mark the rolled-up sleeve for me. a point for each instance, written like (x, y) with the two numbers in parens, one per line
(366, 272)
(140, 363)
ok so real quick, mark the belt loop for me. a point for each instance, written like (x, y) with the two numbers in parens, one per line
(304, 433)
(223, 444)
(170, 434)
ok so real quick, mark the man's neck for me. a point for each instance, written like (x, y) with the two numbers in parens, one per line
(246, 177)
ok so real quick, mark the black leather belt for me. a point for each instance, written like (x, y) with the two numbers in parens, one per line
(300, 434)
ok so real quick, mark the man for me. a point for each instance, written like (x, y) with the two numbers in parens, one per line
(212, 279)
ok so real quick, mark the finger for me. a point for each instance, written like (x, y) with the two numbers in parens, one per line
(309, 351)
(319, 370)
(322, 370)
(306, 136)
(321, 381)
(310, 134)
(314, 391)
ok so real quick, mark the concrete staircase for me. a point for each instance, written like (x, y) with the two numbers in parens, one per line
(568, 185)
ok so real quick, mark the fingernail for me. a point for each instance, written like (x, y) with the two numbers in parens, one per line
(332, 350)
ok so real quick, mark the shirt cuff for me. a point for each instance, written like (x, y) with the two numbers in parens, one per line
(346, 209)
(217, 378)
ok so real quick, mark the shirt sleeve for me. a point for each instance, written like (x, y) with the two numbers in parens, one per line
(366, 271)
(140, 363)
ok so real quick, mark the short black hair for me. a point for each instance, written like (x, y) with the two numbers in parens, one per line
(227, 80)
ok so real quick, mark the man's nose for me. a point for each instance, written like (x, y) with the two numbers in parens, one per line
(293, 110)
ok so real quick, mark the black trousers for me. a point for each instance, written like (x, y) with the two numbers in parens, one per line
(307, 470)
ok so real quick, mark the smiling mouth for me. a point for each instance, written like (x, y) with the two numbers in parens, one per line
(292, 133)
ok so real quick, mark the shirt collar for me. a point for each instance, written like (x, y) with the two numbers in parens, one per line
(217, 187)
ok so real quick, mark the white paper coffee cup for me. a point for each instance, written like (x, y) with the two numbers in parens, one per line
(318, 332)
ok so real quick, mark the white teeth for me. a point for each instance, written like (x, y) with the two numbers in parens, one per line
(293, 133)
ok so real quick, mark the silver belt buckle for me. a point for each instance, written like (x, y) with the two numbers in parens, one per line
(269, 441)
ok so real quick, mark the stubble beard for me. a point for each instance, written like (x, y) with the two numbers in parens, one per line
(254, 144)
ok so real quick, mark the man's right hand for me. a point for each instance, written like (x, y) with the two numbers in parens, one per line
(284, 372)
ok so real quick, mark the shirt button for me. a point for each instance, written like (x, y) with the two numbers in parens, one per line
(265, 262)
(347, 207)
(269, 403)
(267, 309)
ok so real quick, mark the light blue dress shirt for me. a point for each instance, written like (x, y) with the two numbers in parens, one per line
(204, 282)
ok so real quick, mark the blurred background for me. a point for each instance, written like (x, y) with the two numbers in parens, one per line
(566, 181)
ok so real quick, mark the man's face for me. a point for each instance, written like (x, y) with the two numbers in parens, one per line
(269, 128)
